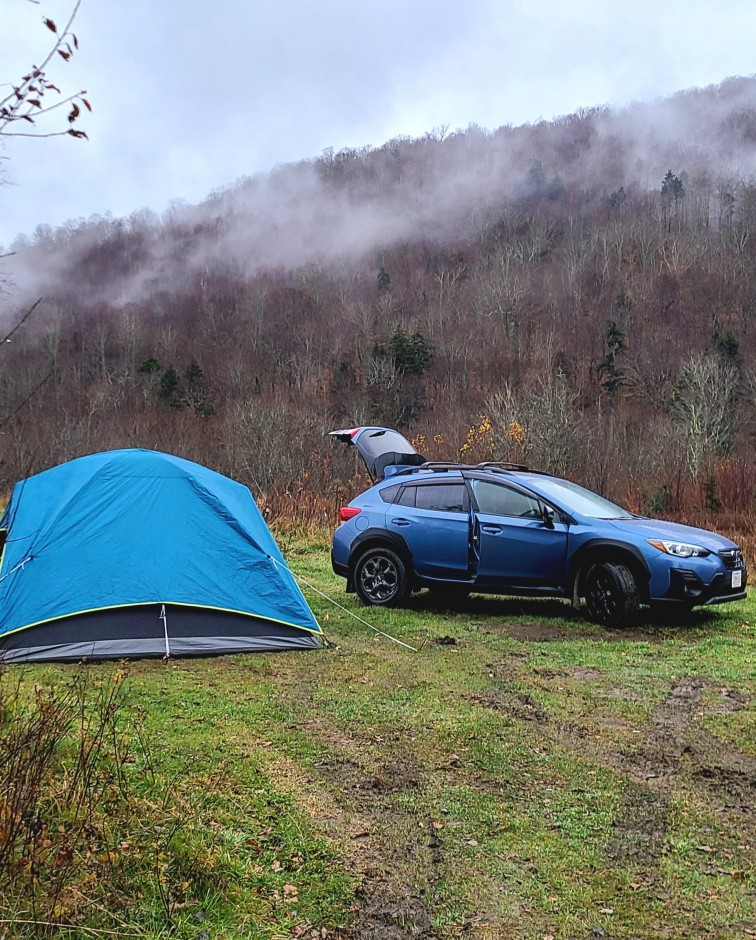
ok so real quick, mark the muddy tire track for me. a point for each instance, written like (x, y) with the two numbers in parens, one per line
(675, 753)
(397, 856)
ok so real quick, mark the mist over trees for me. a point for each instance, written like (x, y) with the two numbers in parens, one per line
(579, 294)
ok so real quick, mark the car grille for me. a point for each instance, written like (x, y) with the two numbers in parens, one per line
(732, 557)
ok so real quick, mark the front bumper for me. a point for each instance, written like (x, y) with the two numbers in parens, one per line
(688, 587)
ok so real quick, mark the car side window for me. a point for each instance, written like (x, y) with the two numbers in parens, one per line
(407, 496)
(446, 497)
(389, 493)
(498, 499)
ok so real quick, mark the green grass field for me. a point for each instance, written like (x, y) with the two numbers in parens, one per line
(524, 774)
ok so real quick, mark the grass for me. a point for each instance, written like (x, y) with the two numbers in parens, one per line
(524, 774)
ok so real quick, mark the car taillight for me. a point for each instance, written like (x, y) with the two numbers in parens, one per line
(348, 512)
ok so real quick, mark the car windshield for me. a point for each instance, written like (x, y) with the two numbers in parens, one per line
(578, 499)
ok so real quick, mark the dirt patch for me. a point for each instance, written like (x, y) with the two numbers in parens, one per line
(406, 865)
(640, 826)
(535, 632)
(540, 632)
(584, 674)
(517, 705)
(728, 702)
(350, 777)
(678, 748)
(675, 752)
(387, 910)
(395, 856)
(387, 914)
(672, 719)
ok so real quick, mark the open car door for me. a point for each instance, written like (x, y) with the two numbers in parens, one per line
(384, 450)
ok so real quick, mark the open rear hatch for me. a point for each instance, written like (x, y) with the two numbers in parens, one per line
(384, 450)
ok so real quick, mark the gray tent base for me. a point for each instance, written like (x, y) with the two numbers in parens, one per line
(138, 632)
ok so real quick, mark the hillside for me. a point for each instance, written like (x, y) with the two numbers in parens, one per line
(587, 284)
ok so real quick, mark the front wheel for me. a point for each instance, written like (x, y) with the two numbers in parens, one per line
(611, 594)
(380, 578)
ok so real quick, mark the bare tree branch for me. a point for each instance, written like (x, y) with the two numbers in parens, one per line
(20, 405)
(25, 101)
(24, 318)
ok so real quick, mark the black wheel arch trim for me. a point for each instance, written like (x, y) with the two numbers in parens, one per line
(589, 548)
(374, 538)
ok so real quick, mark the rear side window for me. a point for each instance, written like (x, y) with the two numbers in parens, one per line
(446, 497)
(389, 493)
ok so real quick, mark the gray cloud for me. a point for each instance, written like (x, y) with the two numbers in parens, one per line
(191, 96)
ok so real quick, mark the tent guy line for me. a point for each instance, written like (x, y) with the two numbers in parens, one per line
(312, 587)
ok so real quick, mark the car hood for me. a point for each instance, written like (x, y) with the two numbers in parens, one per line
(661, 529)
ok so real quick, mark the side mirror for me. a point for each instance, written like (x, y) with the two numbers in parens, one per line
(548, 517)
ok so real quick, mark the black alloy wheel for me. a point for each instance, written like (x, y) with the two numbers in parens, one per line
(380, 578)
(611, 594)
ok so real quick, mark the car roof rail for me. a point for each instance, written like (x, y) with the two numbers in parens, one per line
(500, 465)
(438, 466)
(435, 466)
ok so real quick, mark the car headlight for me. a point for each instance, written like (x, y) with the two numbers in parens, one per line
(681, 549)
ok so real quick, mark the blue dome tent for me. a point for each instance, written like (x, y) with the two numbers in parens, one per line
(134, 553)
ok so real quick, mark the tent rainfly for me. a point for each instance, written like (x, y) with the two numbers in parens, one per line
(135, 553)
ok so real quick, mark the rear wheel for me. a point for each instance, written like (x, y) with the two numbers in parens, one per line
(380, 578)
(611, 594)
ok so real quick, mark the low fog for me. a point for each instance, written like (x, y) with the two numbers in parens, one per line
(445, 187)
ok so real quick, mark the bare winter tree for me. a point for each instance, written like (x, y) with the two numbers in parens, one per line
(20, 110)
(704, 408)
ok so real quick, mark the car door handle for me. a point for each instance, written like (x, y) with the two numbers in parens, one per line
(401, 521)
(491, 529)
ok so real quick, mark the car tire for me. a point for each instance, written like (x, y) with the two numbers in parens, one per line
(380, 578)
(611, 594)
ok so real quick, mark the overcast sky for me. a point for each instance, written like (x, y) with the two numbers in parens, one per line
(188, 96)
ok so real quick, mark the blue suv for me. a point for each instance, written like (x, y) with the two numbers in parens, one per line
(504, 529)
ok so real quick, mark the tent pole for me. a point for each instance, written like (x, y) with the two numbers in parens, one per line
(165, 627)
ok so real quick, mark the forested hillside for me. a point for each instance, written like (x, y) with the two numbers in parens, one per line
(579, 294)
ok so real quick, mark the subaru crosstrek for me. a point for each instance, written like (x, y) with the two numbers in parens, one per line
(504, 529)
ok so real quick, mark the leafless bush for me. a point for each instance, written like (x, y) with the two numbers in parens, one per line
(49, 804)
(703, 406)
(81, 833)
(544, 424)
